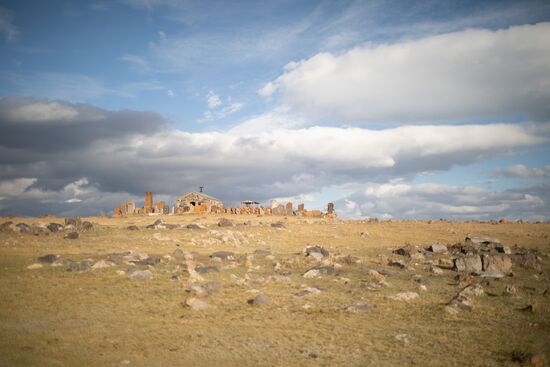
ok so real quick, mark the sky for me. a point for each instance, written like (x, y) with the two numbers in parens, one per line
(389, 109)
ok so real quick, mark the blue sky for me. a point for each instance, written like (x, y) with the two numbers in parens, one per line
(204, 74)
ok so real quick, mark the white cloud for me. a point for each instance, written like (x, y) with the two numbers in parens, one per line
(468, 74)
(519, 170)
(43, 111)
(7, 28)
(213, 100)
(15, 187)
(405, 200)
(170, 93)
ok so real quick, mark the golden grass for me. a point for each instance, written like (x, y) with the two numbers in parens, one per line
(50, 317)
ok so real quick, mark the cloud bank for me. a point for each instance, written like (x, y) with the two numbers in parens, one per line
(59, 156)
(471, 74)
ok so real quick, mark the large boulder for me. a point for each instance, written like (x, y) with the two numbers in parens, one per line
(468, 264)
(224, 222)
(55, 227)
(75, 222)
(500, 263)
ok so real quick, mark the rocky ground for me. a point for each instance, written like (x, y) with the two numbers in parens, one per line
(255, 291)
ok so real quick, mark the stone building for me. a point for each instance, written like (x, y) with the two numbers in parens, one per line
(197, 202)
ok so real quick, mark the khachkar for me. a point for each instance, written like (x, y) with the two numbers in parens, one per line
(148, 202)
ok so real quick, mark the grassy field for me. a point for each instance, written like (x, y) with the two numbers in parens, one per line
(53, 317)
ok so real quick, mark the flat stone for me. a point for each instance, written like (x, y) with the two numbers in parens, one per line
(398, 263)
(405, 296)
(133, 228)
(71, 235)
(438, 248)
(48, 259)
(489, 274)
(481, 240)
(82, 266)
(223, 255)
(34, 266)
(406, 250)
(359, 307)
(101, 264)
(312, 273)
(194, 226)
(141, 275)
(207, 269)
(308, 291)
(224, 222)
(23, 228)
(316, 251)
(196, 304)
(259, 300)
(278, 225)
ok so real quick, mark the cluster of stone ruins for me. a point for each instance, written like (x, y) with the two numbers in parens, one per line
(200, 203)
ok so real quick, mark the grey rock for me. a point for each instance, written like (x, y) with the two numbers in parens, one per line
(500, 263)
(224, 255)
(87, 226)
(48, 259)
(259, 300)
(71, 235)
(76, 222)
(406, 250)
(308, 291)
(194, 226)
(224, 222)
(6, 226)
(503, 249)
(359, 307)
(55, 227)
(527, 260)
(278, 225)
(481, 240)
(313, 250)
(468, 264)
(141, 275)
(23, 228)
(438, 248)
(398, 263)
(206, 269)
(133, 228)
(82, 266)
(405, 296)
(463, 301)
(196, 304)
(151, 260)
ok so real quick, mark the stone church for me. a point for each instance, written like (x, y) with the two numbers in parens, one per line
(197, 202)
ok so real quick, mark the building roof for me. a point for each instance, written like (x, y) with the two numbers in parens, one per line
(199, 194)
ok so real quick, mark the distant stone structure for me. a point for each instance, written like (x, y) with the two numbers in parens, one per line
(200, 203)
(197, 202)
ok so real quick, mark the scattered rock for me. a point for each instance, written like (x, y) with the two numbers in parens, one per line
(82, 266)
(407, 250)
(259, 300)
(308, 291)
(194, 226)
(55, 227)
(71, 235)
(48, 259)
(533, 308)
(206, 269)
(76, 222)
(23, 228)
(133, 228)
(503, 249)
(34, 266)
(149, 260)
(527, 260)
(102, 264)
(317, 252)
(398, 263)
(376, 276)
(278, 224)
(468, 264)
(224, 222)
(223, 255)
(196, 304)
(87, 226)
(405, 296)
(141, 275)
(359, 307)
(464, 299)
(6, 226)
(438, 248)
(312, 273)
(481, 240)
(262, 252)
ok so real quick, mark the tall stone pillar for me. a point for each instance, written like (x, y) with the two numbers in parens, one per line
(148, 202)
(330, 208)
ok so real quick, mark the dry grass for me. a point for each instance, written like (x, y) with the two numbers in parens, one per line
(50, 317)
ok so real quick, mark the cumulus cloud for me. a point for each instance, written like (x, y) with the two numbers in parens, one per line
(97, 154)
(519, 170)
(213, 100)
(410, 201)
(474, 73)
(218, 109)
